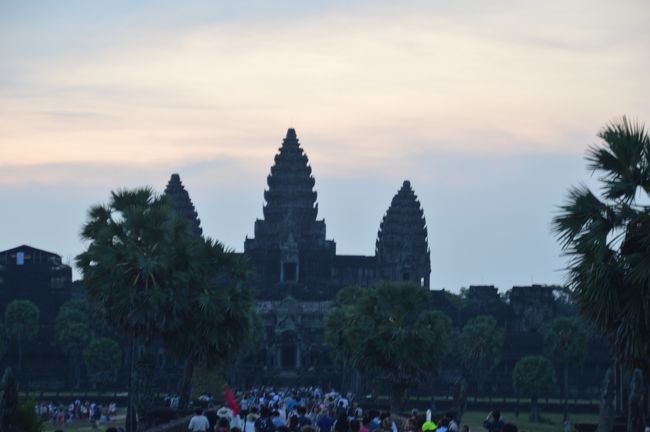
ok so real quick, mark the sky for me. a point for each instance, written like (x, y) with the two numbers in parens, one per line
(486, 107)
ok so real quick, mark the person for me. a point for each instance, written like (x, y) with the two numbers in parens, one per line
(198, 422)
(429, 426)
(493, 422)
(249, 421)
(410, 426)
(365, 423)
(453, 425)
(223, 425)
(303, 420)
(355, 425)
(341, 424)
(326, 421)
(464, 428)
(277, 419)
(264, 423)
(567, 424)
(509, 427)
(213, 418)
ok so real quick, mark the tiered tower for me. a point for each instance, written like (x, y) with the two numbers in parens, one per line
(402, 250)
(182, 204)
(289, 252)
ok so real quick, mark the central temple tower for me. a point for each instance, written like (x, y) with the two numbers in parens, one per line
(289, 252)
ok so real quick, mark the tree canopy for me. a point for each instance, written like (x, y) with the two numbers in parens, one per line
(607, 237)
(388, 330)
(103, 358)
(565, 341)
(21, 324)
(533, 377)
(135, 266)
(21, 320)
(154, 279)
(480, 347)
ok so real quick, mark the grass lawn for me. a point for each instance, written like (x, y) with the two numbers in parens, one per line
(85, 426)
(550, 422)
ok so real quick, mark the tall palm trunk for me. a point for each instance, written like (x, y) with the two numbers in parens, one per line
(77, 373)
(185, 390)
(131, 419)
(534, 410)
(398, 393)
(20, 358)
(566, 390)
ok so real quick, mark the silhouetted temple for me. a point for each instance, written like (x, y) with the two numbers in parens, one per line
(180, 200)
(297, 274)
(297, 270)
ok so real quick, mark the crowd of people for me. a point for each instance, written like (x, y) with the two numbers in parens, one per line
(312, 410)
(58, 415)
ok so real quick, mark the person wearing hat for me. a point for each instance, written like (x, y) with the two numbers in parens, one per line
(198, 422)
(429, 426)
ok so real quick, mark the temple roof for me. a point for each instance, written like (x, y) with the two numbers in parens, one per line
(180, 200)
(403, 230)
(290, 195)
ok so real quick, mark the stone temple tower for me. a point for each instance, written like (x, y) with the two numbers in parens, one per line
(289, 252)
(182, 203)
(402, 250)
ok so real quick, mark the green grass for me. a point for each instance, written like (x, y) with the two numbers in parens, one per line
(550, 422)
(85, 426)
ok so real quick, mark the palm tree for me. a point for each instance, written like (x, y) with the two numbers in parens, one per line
(217, 313)
(607, 238)
(389, 332)
(134, 269)
(565, 343)
(157, 281)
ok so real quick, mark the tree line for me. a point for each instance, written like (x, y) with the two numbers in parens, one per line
(79, 334)
(390, 333)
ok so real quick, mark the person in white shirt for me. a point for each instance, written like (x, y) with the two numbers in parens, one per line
(198, 422)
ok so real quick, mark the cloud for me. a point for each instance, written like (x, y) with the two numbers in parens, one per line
(373, 83)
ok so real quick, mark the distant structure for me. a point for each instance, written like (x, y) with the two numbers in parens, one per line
(402, 251)
(28, 273)
(182, 204)
(297, 274)
(297, 270)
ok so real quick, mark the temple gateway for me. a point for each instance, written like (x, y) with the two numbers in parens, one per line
(298, 273)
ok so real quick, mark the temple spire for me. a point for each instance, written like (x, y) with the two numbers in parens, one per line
(182, 204)
(402, 249)
(290, 194)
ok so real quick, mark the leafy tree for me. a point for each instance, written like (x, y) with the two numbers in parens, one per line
(133, 269)
(217, 313)
(103, 358)
(565, 343)
(480, 348)
(533, 376)
(21, 324)
(387, 331)
(73, 333)
(155, 280)
(608, 240)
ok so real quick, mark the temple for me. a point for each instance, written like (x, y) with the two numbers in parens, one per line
(298, 273)
(182, 204)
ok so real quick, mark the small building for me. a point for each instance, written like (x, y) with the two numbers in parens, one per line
(28, 273)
